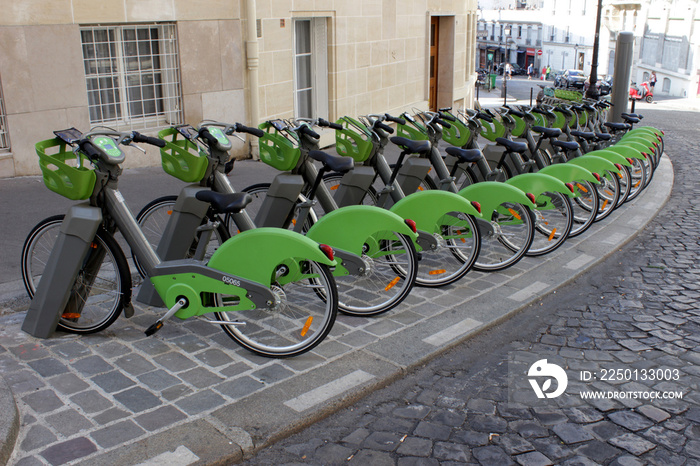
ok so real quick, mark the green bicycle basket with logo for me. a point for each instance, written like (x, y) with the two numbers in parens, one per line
(65, 172)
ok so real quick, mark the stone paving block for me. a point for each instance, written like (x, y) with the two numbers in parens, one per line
(159, 418)
(238, 388)
(534, 458)
(491, 455)
(414, 446)
(384, 441)
(571, 433)
(175, 392)
(91, 401)
(200, 402)
(137, 399)
(134, 364)
(117, 434)
(199, 377)
(44, 401)
(37, 436)
(68, 422)
(214, 357)
(632, 443)
(92, 365)
(630, 420)
(110, 415)
(112, 381)
(29, 352)
(174, 362)
(655, 414)
(598, 451)
(48, 367)
(412, 412)
(68, 384)
(70, 450)
(158, 380)
(372, 457)
(23, 381)
(356, 437)
(272, 374)
(151, 347)
(513, 444)
(432, 430)
(668, 438)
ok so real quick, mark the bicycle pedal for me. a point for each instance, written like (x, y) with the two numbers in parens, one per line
(129, 310)
(154, 328)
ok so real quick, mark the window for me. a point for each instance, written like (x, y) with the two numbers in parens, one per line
(4, 131)
(133, 80)
(666, 87)
(310, 68)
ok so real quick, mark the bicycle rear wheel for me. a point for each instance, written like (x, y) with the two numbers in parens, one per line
(608, 194)
(585, 207)
(101, 288)
(302, 315)
(553, 221)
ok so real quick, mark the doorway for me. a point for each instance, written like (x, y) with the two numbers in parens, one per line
(433, 67)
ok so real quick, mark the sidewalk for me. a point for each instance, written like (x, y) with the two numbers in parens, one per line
(189, 395)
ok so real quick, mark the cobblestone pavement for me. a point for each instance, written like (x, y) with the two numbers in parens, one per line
(638, 311)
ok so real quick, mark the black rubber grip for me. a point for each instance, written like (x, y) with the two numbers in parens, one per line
(207, 136)
(484, 116)
(539, 110)
(138, 137)
(443, 123)
(447, 116)
(393, 119)
(516, 113)
(309, 132)
(92, 152)
(383, 127)
(323, 123)
(247, 129)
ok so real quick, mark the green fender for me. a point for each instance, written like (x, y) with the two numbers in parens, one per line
(426, 208)
(641, 147)
(611, 156)
(647, 143)
(253, 255)
(594, 164)
(569, 173)
(539, 184)
(627, 151)
(645, 129)
(350, 227)
(491, 194)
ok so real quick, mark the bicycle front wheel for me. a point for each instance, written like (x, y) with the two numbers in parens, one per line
(585, 207)
(608, 194)
(553, 221)
(506, 237)
(101, 288)
(300, 318)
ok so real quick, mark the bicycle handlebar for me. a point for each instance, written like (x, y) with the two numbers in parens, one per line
(304, 129)
(327, 124)
(393, 119)
(383, 127)
(239, 128)
(138, 137)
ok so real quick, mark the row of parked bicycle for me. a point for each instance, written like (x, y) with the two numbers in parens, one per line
(356, 231)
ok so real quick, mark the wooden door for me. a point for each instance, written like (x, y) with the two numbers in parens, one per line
(433, 69)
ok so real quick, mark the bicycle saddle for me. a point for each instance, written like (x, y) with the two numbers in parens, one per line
(464, 155)
(547, 132)
(603, 136)
(630, 118)
(566, 145)
(225, 203)
(512, 146)
(588, 136)
(617, 126)
(336, 163)
(410, 146)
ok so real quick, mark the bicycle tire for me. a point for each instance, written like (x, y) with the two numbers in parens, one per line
(506, 237)
(638, 179)
(585, 207)
(153, 218)
(302, 318)
(625, 180)
(386, 280)
(96, 314)
(553, 222)
(608, 194)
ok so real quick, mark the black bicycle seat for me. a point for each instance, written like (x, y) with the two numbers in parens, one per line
(603, 136)
(464, 155)
(336, 163)
(630, 118)
(410, 146)
(588, 136)
(617, 126)
(225, 203)
(566, 145)
(512, 146)
(547, 132)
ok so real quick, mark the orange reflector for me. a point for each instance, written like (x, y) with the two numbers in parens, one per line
(93, 245)
(437, 272)
(170, 212)
(620, 175)
(552, 235)
(333, 188)
(70, 315)
(294, 221)
(420, 188)
(306, 326)
(392, 283)
(604, 204)
(608, 192)
(581, 187)
(514, 213)
(637, 183)
(463, 240)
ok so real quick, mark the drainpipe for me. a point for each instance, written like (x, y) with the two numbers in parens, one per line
(252, 61)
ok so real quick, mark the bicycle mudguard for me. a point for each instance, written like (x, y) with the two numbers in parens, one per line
(627, 151)
(610, 156)
(648, 144)
(243, 268)
(491, 194)
(594, 164)
(642, 130)
(350, 228)
(539, 183)
(638, 146)
(426, 208)
(569, 173)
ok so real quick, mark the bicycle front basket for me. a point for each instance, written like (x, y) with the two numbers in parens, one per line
(180, 158)
(59, 167)
(276, 150)
(350, 142)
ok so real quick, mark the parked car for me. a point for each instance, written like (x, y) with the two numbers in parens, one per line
(604, 85)
(517, 69)
(571, 79)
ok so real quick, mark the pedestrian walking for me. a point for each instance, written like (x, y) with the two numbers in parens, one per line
(549, 71)
(529, 71)
(509, 71)
(544, 72)
(652, 80)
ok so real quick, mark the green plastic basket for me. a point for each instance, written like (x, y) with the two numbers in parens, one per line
(351, 141)
(457, 134)
(60, 171)
(181, 158)
(492, 129)
(276, 150)
(411, 132)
